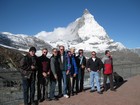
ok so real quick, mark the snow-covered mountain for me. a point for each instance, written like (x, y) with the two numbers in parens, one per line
(83, 33)
(21, 41)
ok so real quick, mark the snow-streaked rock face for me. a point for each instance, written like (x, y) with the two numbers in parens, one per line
(22, 42)
(83, 33)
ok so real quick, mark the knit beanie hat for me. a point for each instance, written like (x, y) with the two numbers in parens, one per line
(32, 49)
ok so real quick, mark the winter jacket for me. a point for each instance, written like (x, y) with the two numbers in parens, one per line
(74, 67)
(83, 62)
(25, 66)
(108, 65)
(94, 65)
(54, 67)
(66, 62)
(44, 65)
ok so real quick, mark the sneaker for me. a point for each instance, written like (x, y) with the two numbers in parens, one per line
(99, 92)
(60, 95)
(33, 103)
(41, 100)
(92, 91)
(48, 99)
(114, 90)
(55, 99)
(105, 90)
(72, 94)
(66, 96)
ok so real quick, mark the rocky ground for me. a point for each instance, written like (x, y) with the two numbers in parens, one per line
(9, 59)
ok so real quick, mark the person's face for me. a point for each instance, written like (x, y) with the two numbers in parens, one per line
(108, 54)
(72, 51)
(81, 53)
(69, 53)
(32, 53)
(55, 52)
(61, 50)
(93, 54)
(44, 52)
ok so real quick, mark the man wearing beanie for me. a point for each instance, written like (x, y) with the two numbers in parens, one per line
(32, 49)
(28, 70)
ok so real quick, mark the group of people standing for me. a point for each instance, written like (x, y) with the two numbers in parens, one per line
(64, 68)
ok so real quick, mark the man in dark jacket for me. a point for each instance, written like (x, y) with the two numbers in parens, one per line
(94, 66)
(43, 76)
(82, 65)
(28, 66)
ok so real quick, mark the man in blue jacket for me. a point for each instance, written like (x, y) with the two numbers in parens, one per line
(74, 72)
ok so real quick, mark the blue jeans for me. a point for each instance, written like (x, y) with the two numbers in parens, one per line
(94, 75)
(28, 86)
(64, 82)
(62, 76)
(52, 88)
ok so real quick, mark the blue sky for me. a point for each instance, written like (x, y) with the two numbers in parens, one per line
(120, 18)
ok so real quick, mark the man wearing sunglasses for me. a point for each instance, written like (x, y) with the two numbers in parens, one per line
(43, 76)
(63, 73)
(94, 66)
(82, 65)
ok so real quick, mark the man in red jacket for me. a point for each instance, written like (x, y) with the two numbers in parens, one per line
(108, 70)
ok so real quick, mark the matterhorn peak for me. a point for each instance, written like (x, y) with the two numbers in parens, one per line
(86, 12)
(84, 32)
